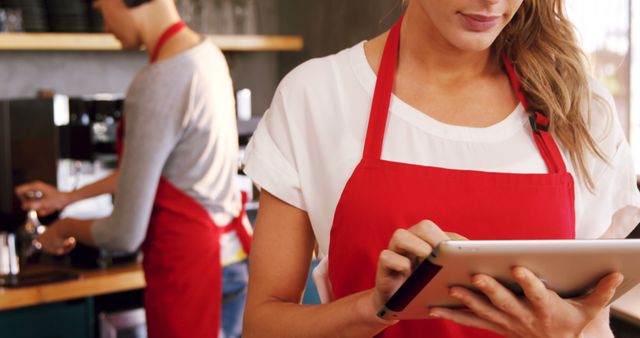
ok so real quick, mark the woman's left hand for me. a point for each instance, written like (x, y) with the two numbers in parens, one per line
(542, 313)
(54, 241)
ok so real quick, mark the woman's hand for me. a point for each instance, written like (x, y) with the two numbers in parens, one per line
(51, 201)
(407, 248)
(54, 241)
(542, 313)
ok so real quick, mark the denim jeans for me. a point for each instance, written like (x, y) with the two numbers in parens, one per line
(235, 278)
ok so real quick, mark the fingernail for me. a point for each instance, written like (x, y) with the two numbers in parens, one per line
(477, 281)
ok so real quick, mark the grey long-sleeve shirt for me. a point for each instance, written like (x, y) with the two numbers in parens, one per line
(180, 124)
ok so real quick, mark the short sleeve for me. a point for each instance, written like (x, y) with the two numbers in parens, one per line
(616, 199)
(612, 209)
(269, 157)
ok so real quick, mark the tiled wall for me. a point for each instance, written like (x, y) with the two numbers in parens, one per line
(23, 73)
(78, 73)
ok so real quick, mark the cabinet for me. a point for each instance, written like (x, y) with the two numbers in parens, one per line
(70, 319)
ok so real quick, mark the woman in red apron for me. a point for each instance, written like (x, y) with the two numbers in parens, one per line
(182, 253)
(391, 214)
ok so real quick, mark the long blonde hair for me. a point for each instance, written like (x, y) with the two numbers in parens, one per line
(543, 47)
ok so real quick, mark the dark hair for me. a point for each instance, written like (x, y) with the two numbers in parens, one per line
(134, 3)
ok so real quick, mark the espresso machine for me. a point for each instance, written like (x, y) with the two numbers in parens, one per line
(66, 142)
(87, 154)
(88, 150)
(29, 150)
(90, 135)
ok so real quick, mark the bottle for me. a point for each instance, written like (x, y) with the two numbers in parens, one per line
(243, 102)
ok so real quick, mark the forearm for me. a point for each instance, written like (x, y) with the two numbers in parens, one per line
(351, 316)
(599, 326)
(106, 185)
(78, 229)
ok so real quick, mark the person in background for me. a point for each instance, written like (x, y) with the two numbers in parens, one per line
(474, 117)
(175, 191)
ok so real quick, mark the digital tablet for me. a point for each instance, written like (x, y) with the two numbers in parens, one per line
(569, 267)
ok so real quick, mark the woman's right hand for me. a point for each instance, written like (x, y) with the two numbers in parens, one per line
(407, 248)
(52, 199)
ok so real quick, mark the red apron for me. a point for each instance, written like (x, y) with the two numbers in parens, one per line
(182, 257)
(382, 196)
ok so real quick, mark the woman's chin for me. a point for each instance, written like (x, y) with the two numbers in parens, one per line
(474, 41)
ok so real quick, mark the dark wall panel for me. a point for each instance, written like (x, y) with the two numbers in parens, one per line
(329, 26)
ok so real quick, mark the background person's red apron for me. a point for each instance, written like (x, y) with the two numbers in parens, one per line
(382, 196)
(182, 257)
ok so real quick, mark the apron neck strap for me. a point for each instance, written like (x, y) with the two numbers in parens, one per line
(382, 99)
(539, 125)
(382, 95)
(166, 35)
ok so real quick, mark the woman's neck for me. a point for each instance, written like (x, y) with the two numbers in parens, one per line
(450, 85)
(424, 49)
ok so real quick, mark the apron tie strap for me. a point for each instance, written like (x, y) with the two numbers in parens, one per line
(242, 229)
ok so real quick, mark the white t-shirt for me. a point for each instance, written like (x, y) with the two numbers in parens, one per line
(312, 137)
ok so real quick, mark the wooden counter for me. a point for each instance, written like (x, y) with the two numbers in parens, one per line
(91, 283)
